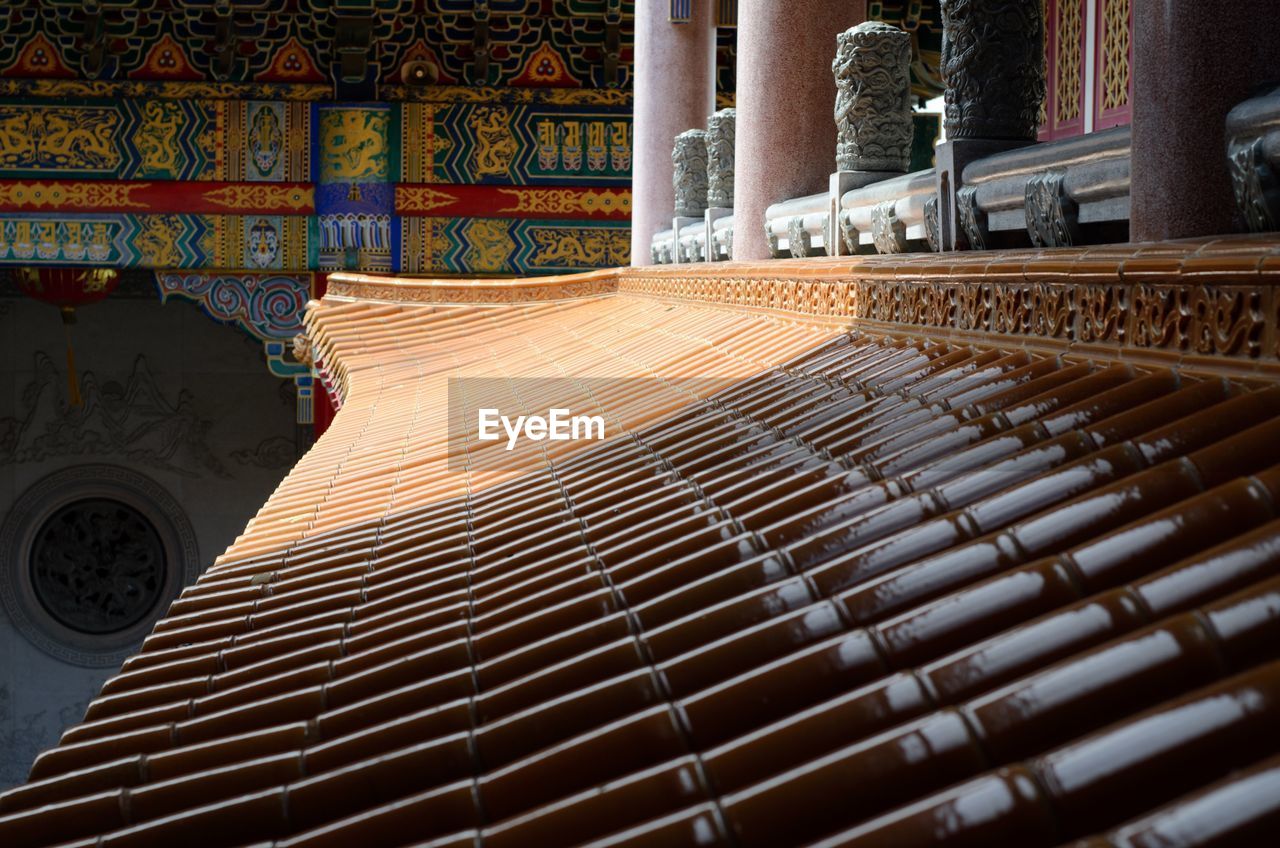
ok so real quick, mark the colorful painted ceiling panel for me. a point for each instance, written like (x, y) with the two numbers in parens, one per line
(75, 196)
(477, 246)
(527, 42)
(292, 185)
(518, 144)
(279, 242)
(131, 139)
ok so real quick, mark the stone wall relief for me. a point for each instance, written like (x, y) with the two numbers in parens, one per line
(132, 418)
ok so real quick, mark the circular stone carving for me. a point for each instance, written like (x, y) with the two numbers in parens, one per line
(97, 565)
(90, 557)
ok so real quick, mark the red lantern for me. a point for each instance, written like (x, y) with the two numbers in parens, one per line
(67, 289)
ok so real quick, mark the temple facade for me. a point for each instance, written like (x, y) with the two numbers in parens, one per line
(661, 423)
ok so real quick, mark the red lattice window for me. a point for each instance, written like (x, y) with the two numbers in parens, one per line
(1113, 88)
(1065, 48)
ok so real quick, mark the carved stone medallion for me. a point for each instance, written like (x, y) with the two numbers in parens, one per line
(1256, 187)
(97, 565)
(771, 239)
(932, 227)
(887, 230)
(852, 238)
(972, 219)
(798, 238)
(89, 558)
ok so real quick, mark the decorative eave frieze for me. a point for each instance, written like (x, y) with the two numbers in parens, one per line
(1208, 305)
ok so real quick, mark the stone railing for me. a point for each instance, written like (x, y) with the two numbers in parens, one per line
(1253, 157)
(799, 227)
(662, 249)
(891, 216)
(884, 217)
(1056, 194)
(691, 244)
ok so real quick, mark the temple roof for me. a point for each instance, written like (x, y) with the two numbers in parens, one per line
(976, 549)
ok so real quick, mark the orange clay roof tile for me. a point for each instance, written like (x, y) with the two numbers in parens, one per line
(858, 567)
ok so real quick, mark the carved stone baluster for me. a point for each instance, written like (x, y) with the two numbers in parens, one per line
(873, 99)
(720, 141)
(689, 177)
(874, 129)
(689, 181)
(720, 159)
(993, 63)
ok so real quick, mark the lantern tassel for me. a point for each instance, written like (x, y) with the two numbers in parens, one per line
(73, 382)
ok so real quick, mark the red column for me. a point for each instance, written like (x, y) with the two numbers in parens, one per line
(786, 132)
(1193, 61)
(675, 90)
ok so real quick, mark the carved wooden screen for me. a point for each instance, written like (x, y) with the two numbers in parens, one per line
(1113, 93)
(1066, 47)
(1088, 63)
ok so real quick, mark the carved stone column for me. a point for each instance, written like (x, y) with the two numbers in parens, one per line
(674, 90)
(689, 173)
(993, 63)
(1193, 62)
(872, 71)
(689, 182)
(785, 135)
(720, 139)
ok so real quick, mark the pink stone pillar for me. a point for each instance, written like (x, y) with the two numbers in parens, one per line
(786, 130)
(675, 90)
(1193, 61)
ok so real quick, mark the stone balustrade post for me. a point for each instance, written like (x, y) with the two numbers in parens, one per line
(993, 64)
(720, 138)
(872, 70)
(688, 183)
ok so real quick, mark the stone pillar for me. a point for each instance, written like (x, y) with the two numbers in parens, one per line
(1193, 61)
(675, 89)
(786, 140)
(993, 63)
